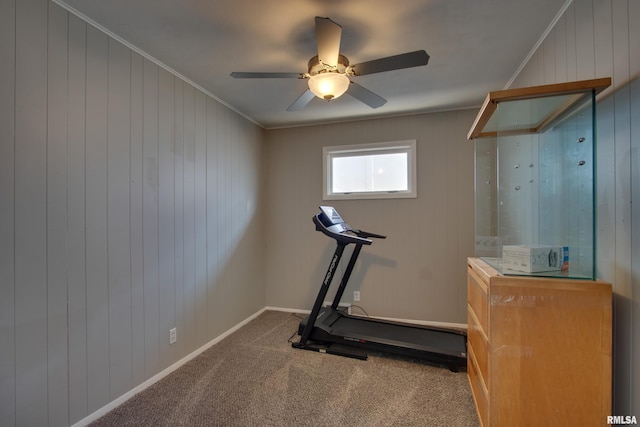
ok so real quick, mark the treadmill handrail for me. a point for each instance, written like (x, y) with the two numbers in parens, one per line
(336, 232)
(366, 234)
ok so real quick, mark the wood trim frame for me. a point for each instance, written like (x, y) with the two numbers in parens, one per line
(581, 88)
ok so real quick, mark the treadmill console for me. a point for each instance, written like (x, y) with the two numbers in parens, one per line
(330, 218)
(331, 223)
(331, 215)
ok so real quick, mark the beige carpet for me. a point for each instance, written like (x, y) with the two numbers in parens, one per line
(254, 378)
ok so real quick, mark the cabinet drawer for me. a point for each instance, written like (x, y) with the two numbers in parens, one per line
(477, 341)
(478, 301)
(477, 389)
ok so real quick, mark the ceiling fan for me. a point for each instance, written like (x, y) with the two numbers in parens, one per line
(329, 72)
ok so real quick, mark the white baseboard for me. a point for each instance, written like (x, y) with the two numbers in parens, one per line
(391, 319)
(128, 395)
(287, 310)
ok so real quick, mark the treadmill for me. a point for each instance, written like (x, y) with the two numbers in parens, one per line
(330, 330)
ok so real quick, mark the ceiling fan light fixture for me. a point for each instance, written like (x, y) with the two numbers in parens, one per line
(329, 85)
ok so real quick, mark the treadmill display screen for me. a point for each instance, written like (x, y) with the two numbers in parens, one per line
(331, 215)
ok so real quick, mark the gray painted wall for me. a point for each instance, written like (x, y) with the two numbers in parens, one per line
(601, 38)
(419, 271)
(128, 204)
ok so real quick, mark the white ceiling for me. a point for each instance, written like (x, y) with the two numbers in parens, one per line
(475, 46)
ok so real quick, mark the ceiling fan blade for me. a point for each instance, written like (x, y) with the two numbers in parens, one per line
(396, 62)
(258, 75)
(328, 35)
(366, 96)
(302, 101)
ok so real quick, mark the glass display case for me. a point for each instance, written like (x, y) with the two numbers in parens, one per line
(535, 177)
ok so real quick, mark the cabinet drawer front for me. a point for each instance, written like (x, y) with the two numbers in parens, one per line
(477, 389)
(478, 301)
(477, 342)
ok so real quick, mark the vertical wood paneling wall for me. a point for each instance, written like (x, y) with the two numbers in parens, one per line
(128, 206)
(601, 38)
(419, 271)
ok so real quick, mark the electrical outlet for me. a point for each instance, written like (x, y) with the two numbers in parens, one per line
(356, 296)
(173, 336)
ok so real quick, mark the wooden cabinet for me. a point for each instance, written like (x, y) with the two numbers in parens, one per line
(539, 349)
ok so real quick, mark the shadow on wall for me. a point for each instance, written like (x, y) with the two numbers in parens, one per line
(358, 276)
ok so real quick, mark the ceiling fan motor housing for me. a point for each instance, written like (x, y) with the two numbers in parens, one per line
(316, 66)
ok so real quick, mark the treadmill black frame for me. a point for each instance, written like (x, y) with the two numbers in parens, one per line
(316, 330)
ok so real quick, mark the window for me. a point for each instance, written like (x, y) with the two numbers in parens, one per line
(370, 171)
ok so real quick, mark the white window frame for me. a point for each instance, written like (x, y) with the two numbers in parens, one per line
(406, 146)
